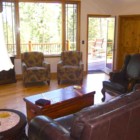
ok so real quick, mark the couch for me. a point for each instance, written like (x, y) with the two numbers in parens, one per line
(117, 119)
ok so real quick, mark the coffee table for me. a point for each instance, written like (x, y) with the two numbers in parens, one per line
(64, 101)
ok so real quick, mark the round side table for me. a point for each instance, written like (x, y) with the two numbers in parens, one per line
(12, 125)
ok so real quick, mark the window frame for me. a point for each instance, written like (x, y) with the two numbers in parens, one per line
(63, 2)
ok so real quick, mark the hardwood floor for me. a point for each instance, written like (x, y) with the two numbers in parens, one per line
(11, 95)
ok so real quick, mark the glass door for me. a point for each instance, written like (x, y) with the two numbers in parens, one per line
(100, 43)
(110, 43)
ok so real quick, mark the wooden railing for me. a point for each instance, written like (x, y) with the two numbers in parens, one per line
(46, 48)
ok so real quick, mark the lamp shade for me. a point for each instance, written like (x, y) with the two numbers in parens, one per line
(5, 62)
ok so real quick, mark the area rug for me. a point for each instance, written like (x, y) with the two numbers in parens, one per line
(95, 71)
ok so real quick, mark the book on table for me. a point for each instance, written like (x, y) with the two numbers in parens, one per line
(42, 102)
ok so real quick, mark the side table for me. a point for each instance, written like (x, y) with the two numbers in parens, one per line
(12, 125)
(9, 76)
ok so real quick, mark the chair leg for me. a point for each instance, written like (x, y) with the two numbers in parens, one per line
(58, 82)
(81, 82)
(48, 82)
(103, 92)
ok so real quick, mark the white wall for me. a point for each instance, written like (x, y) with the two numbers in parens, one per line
(100, 7)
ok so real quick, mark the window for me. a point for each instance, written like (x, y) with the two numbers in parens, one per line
(71, 26)
(42, 27)
(9, 26)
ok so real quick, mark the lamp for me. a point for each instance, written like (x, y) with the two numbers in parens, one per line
(5, 62)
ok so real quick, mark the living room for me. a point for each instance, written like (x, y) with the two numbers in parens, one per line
(12, 94)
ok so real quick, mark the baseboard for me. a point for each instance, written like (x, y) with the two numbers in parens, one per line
(18, 76)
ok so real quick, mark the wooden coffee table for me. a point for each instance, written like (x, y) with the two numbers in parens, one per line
(64, 101)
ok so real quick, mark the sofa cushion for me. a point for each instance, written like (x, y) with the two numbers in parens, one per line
(85, 115)
(66, 121)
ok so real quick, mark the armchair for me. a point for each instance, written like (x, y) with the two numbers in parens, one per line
(70, 67)
(35, 68)
(123, 81)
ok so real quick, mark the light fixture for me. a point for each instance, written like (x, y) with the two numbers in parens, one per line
(5, 62)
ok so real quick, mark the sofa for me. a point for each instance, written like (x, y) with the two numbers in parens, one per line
(117, 119)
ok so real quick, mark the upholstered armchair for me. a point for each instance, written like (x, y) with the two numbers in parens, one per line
(70, 67)
(35, 68)
(123, 81)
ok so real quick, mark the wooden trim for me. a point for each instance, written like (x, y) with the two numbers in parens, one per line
(0, 6)
(96, 15)
(118, 40)
(114, 47)
(17, 30)
(87, 46)
(78, 25)
(133, 15)
(19, 77)
(63, 2)
(63, 25)
(41, 1)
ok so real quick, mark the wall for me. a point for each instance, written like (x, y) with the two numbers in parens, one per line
(100, 7)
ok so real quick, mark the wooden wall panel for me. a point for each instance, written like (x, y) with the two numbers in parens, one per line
(129, 37)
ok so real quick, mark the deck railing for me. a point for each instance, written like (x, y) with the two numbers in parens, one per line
(46, 48)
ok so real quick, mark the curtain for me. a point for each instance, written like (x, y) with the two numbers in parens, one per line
(5, 62)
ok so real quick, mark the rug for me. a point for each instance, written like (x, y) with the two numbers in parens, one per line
(95, 71)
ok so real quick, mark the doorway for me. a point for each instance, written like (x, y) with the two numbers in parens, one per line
(101, 32)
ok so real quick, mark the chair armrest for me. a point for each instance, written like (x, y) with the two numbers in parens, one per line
(136, 87)
(44, 128)
(59, 64)
(24, 66)
(46, 65)
(116, 76)
(81, 64)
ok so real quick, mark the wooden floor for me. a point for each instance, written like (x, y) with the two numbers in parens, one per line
(11, 95)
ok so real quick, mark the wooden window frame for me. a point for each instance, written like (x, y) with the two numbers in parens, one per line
(63, 2)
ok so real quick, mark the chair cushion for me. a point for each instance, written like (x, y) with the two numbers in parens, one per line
(117, 87)
(71, 67)
(36, 74)
(66, 121)
(71, 58)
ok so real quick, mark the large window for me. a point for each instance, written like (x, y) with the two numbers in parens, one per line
(41, 27)
(46, 27)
